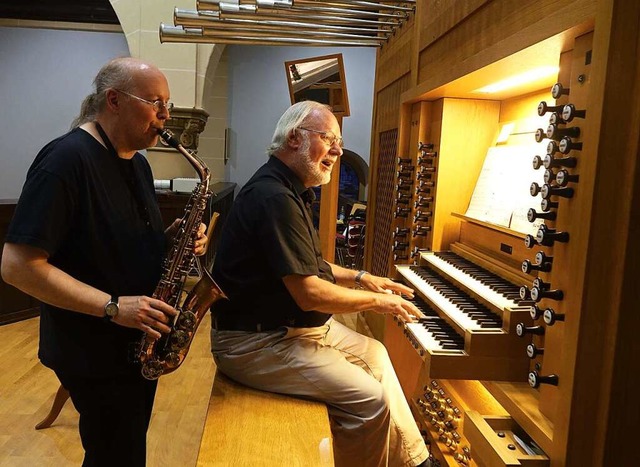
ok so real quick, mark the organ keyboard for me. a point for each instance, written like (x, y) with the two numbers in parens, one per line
(434, 333)
(462, 336)
(476, 280)
(466, 312)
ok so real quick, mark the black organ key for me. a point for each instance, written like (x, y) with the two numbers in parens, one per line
(489, 279)
(439, 329)
(470, 307)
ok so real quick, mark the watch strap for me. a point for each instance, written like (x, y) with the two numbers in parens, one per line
(113, 300)
(358, 279)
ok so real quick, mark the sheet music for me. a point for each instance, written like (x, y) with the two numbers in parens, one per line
(501, 195)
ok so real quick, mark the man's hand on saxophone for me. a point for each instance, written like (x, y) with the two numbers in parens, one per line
(145, 313)
(200, 247)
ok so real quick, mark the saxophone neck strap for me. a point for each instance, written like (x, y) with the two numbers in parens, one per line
(106, 140)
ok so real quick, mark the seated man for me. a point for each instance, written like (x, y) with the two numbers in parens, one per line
(275, 332)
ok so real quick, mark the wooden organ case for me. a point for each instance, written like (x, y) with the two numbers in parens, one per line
(528, 355)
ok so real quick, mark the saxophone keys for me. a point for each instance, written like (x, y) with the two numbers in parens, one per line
(173, 359)
(187, 321)
(178, 340)
(152, 370)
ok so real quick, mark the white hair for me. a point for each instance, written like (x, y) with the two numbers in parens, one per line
(291, 119)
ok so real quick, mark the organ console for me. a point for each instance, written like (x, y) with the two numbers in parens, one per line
(495, 379)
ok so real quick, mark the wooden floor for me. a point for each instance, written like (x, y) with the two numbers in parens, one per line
(27, 389)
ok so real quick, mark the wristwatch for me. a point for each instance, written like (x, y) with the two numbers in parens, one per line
(358, 278)
(111, 309)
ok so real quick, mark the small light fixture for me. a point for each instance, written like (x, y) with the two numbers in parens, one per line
(517, 80)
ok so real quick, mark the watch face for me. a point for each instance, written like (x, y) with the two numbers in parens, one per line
(111, 309)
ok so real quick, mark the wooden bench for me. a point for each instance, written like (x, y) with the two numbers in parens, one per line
(248, 427)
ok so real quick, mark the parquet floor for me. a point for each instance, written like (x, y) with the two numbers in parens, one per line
(27, 389)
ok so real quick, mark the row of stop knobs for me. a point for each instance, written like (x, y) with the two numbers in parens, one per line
(414, 195)
(558, 178)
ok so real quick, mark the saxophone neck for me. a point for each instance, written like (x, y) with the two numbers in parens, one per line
(201, 168)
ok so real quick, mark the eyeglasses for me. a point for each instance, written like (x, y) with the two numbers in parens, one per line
(157, 105)
(328, 137)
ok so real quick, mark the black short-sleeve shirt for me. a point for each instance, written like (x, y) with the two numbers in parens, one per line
(268, 235)
(97, 217)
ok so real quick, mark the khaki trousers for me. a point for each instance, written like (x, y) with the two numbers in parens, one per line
(371, 422)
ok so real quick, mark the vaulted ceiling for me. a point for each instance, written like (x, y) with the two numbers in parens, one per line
(78, 11)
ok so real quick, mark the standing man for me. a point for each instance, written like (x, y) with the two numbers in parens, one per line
(87, 240)
(275, 332)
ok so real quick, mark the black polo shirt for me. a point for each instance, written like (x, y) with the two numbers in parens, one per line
(268, 235)
(97, 217)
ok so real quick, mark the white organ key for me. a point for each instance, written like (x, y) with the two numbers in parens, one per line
(440, 301)
(472, 283)
(428, 341)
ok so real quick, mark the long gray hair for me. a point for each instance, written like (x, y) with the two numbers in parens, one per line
(118, 74)
(291, 119)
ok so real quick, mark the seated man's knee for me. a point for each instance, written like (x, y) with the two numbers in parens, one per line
(373, 405)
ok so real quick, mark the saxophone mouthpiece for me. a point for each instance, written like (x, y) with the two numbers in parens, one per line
(168, 138)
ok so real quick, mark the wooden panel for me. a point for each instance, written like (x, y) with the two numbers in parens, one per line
(605, 372)
(394, 58)
(386, 119)
(468, 128)
(380, 226)
(406, 361)
(388, 103)
(14, 304)
(245, 426)
(436, 18)
(495, 31)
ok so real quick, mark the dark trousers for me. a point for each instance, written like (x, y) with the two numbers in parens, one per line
(114, 417)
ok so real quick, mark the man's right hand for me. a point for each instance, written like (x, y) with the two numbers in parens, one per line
(393, 303)
(145, 313)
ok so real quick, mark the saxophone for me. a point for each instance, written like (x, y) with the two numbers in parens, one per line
(167, 353)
